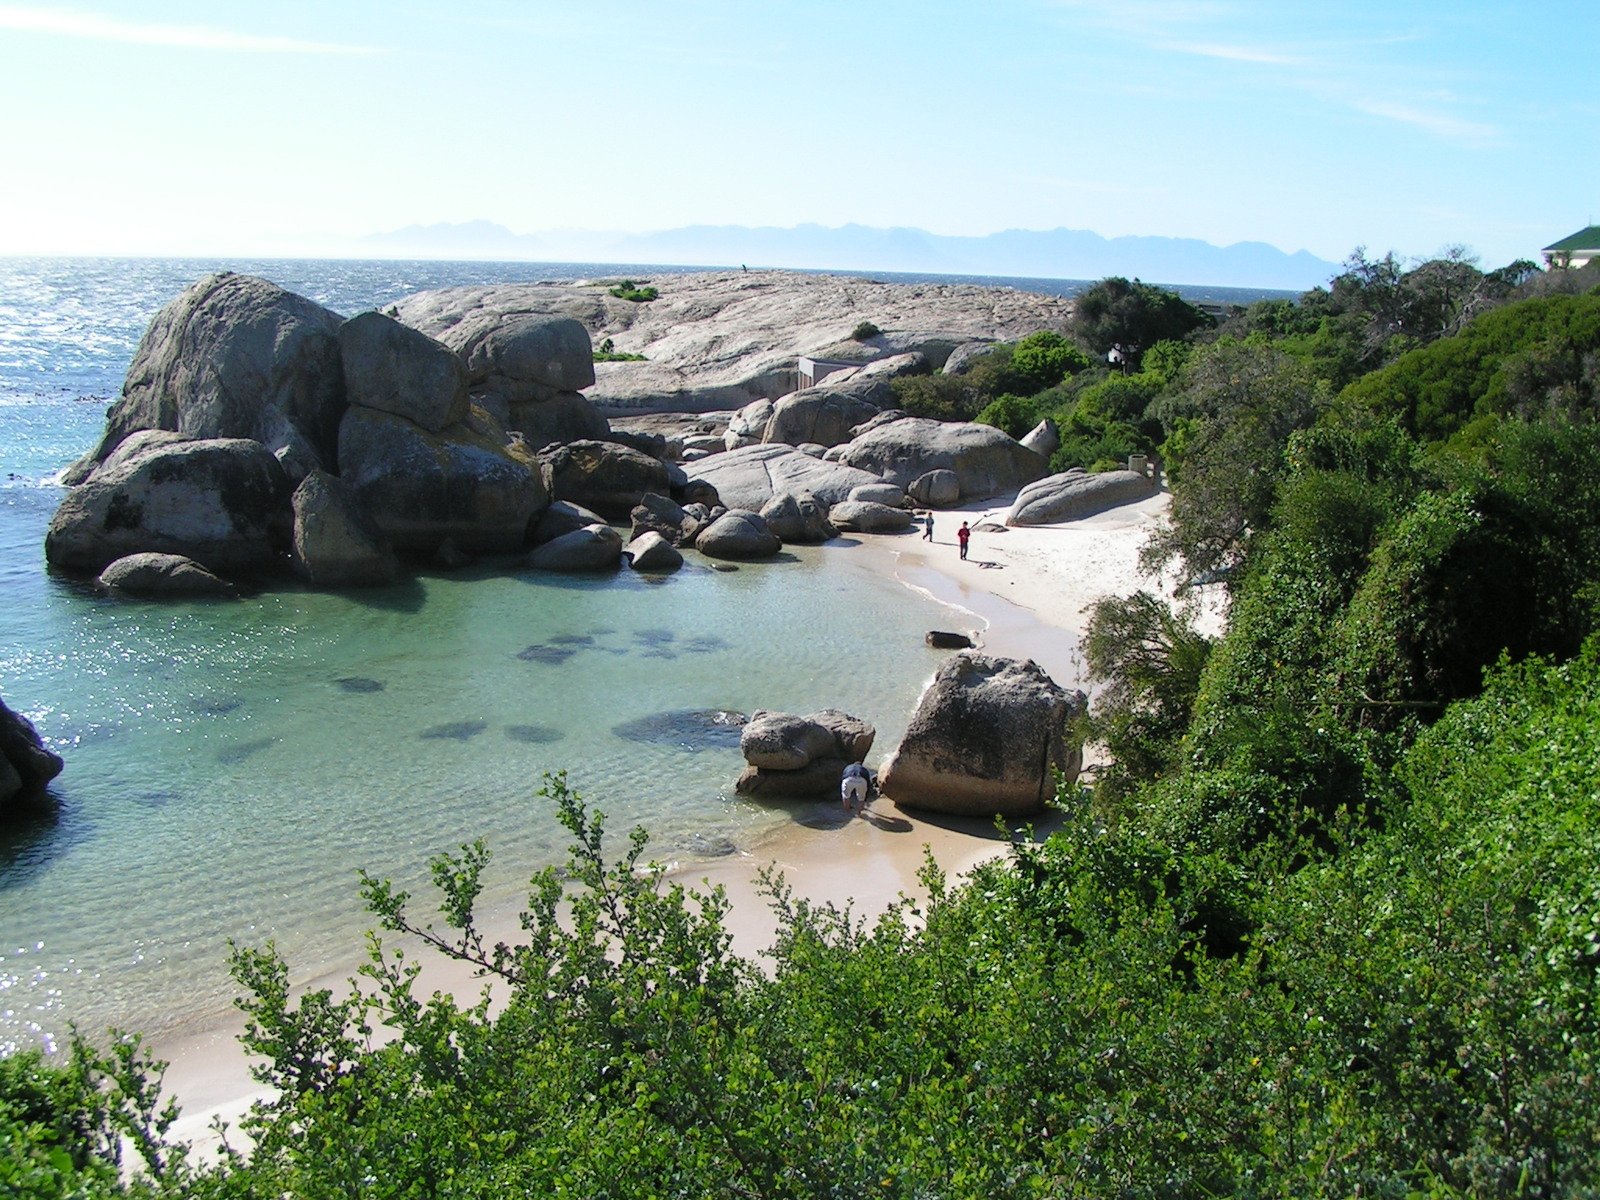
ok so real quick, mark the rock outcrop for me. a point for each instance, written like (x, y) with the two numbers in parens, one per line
(336, 544)
(395, 369)
(223, 502)
(719, 339)
(667, 518)
(825, 415)
(25, 765)
(987, 738)
(788, 755)
(985, 460)
(235, 357)
(468, 484)
(1075, 494)
(751, 475)
(608, 477)
(163, 575)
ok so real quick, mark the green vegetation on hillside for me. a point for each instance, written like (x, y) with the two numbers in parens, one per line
(1328, 923)
(639, 294)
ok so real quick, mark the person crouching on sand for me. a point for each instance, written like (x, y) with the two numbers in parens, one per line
(962, 535)
(854, 785)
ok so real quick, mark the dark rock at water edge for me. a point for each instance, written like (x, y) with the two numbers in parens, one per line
(25, 764)
(161, 575)
(692, 729)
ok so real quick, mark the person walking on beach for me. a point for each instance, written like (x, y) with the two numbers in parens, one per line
(962, 535)
(854, 785)
(927, 526)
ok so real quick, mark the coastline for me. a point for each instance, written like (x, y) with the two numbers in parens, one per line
(1021, 593)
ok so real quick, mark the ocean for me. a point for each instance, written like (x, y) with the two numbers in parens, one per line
(231, 765)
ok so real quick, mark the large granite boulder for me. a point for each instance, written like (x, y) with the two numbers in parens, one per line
(336, 544)
(987, 738)
(751, 475)
(748, 426)
(521, 356)
(963, 357)
(163, 575)
(467, 484)
(1074, 494)
(789, 755)
(395, 369)
(936, 489)
(825, 414)
(236, 357)
(608, 477)
(867, 516)
(223, 502)
(739, 534)
(798, 520)
(652, 554)
(987, 461)
(25, 765)
(592, 548)
(565, 417)
(1044, 438)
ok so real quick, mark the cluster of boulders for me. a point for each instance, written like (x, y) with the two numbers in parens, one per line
(260, 434)
(25, 764)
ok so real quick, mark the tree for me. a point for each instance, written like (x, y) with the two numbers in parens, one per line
(1116, 315)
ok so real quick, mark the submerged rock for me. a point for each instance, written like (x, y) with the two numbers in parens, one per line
(163, 575)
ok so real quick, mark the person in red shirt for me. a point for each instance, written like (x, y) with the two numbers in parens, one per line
(962, 535)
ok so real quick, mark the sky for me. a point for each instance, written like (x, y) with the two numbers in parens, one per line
(285, 127)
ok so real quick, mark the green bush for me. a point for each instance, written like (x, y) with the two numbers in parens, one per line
(638, 293)
(865, 332)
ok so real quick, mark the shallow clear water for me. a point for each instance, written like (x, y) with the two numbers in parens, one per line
(229, 765)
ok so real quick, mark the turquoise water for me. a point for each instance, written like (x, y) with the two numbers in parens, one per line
(230, 765)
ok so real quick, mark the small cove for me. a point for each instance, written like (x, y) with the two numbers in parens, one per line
(230, 766)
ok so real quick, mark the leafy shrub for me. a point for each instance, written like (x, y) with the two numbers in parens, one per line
(1043, 359)
(865, 332)
(639, 294)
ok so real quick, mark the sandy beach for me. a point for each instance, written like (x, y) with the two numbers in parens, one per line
(1020, 593)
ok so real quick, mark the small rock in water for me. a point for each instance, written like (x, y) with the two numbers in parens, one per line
(654, 637)
(546, 654)
(710, 845)
(359, 684)
(156, 799)
(534, 735)
(240, 751)
(572, 639)
(705, 644)
(456, 731)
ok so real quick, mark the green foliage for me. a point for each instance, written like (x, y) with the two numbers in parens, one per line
(865, 332)
(1148, 660)
(1012, 414)
(1531, 359)
(1130, 317)
(608, 352)
(639, 293)
(1043, 359)
(1230, 416)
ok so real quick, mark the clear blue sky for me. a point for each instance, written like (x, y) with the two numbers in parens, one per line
(182, 126)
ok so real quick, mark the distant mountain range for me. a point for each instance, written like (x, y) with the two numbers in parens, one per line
(1036, 254)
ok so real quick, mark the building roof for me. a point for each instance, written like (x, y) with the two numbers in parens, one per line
(1584, 239)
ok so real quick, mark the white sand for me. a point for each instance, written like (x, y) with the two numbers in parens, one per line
(1023, 593)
